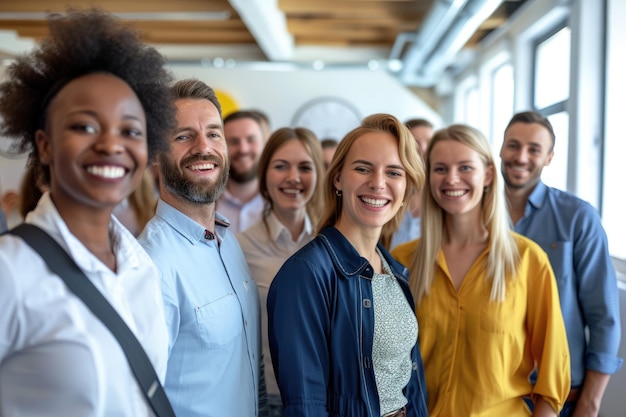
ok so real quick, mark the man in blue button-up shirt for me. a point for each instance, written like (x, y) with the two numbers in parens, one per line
(570, 231)
(211, 302)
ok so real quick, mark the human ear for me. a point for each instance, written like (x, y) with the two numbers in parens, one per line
(42, 142)
(337, 181)
(489, 172)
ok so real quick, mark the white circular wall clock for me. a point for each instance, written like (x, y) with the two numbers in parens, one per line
(327, 117)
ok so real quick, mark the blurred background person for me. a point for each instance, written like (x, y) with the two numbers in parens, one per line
(329, 146)
(410, 227)
(290, 181)
(241, 203)
(264, 120)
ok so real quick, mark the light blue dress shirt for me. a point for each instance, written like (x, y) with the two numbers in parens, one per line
(213, 316)
(570, 231)
(410, 228)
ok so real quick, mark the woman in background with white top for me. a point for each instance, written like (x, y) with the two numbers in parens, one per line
(290, 171)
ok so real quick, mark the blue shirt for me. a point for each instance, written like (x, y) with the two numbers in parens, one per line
(3, 222)
(570, 231)
(410, 228)
(213, 316)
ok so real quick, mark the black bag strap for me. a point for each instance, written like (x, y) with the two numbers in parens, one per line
(63, 265)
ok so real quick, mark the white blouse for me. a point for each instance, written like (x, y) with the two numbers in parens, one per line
(56, 357)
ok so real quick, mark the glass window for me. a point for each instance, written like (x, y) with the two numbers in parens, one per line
(472, 106)
(502, 103)
(552, 69)
(555, 174)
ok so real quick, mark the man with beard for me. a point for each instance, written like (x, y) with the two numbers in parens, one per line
(211, 303)
(241, 201)
(570, 231)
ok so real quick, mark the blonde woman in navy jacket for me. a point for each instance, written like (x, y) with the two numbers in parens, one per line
(342, 328)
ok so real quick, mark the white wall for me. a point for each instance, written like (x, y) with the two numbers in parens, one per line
(280, 94)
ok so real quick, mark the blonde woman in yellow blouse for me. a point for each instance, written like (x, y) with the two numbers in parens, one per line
(487, 300)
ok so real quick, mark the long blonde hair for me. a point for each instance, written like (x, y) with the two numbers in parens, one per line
(503, 258)
(409, 156)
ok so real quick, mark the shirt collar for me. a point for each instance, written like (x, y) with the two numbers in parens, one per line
(538, 195)
(276, 228)
(186, 226)
(47, 217)
(349, 261)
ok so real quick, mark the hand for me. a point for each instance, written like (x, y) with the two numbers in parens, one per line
(543, 409)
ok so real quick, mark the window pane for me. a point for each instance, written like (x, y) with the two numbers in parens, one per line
(502, 105)
(552, 69)
(555, 174)
(472, 104)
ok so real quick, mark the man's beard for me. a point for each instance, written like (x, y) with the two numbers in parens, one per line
(204, 192)
(243, 177)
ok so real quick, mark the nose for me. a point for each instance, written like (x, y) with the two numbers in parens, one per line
(521, 157)
(201, 146)
(452, 176)
(293, 176)
(377, 181)
(109, 142)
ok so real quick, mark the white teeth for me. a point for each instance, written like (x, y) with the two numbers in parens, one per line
(454, 193)
(107, 171)
(202, 167)
(374, 202)
(291, 191)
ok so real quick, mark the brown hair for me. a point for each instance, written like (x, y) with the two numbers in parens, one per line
(312, 145)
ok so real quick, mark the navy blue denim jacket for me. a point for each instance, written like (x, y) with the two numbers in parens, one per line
(321, 328)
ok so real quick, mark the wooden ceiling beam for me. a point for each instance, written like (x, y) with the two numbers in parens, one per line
(299, 25)
(117, 5)
(352, 9)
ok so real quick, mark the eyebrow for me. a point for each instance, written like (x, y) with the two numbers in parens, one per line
(519, 141)
(364, 162)
(467, 161)
(284, 161)
(95, 114)
(208, 127)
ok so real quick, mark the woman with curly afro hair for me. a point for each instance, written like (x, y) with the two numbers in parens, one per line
(91, 104)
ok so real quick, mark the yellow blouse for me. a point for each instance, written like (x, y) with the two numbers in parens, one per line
(478, 354)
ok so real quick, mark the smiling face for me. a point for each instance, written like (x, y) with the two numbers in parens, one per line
(196, 167)
(457, 177)
(526, 150)
(245, 143)
(372, 182)
(291, 177)
(94, 142)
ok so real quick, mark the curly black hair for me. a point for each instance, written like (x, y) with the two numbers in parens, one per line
(82, 42)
